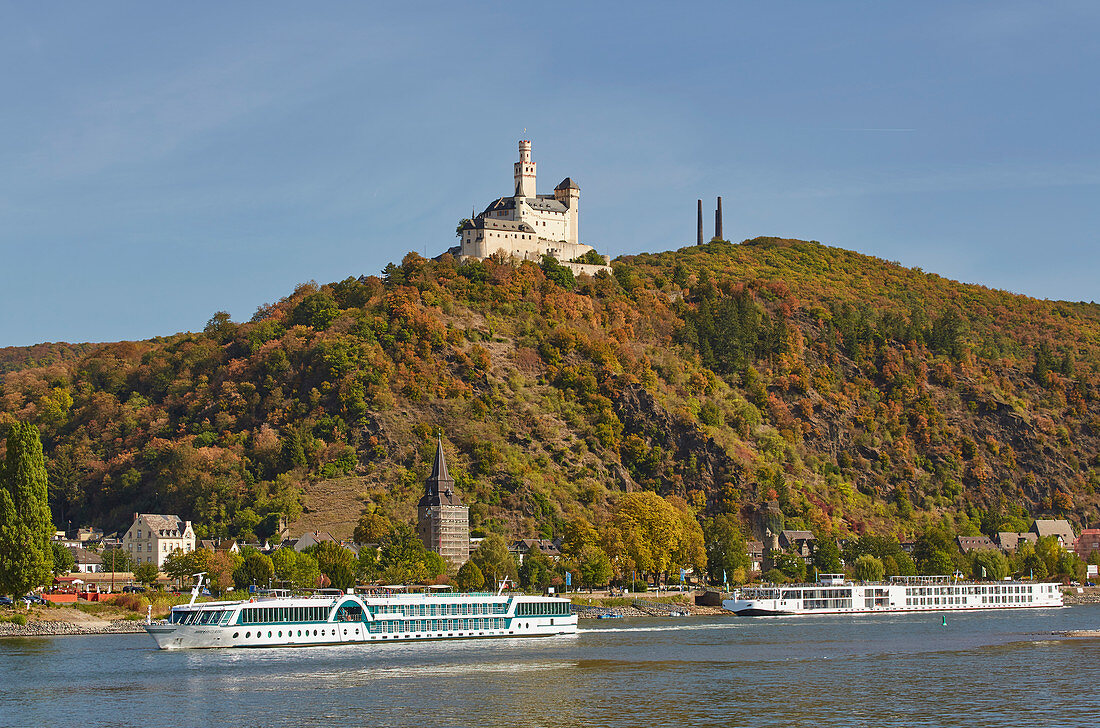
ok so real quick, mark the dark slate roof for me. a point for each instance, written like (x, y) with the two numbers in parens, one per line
(542, 202)
(500, 203)
(545, 203)
(439, 488)
(489, 223)
(567, 184)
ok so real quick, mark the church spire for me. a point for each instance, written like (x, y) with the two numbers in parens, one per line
(439, 469)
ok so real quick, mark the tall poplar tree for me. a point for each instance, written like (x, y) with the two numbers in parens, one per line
(26, 558)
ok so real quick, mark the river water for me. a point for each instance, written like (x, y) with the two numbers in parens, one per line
(981, 669)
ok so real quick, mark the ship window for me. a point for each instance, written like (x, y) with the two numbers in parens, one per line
(246, 635)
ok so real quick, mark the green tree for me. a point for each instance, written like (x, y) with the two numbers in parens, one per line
(182, 565)
(402, 558)
(558, 273)
(336, 562)
(298, 570)
(26, 559)
(827, 556)
(726, 551)
(146, 574)
(494, 560)
(593, 567)
(469, 577)
(934, 552)
(366, 570)
(869, 568)
(989, 564)
(791, 565)
(256, 568)
(536, 571)
(63, 559)
(116, 559)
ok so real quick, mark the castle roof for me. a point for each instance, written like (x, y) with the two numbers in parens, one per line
(542, 202)
(545, 203)
(489, 223)
(567, 184)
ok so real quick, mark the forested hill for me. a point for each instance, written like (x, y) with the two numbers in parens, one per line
(860, 395)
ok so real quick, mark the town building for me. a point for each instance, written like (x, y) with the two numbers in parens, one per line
(1059, 528)
(799, 543)
(527, 225)
(86, 562)
(755, 550)
(975, 543)
(1010, 540)
(151, 537)
(1088, 543)
(228, 545)
(520, 548)
(443, 523)
(311, 539)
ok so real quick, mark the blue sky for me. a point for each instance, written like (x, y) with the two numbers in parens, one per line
(160, 162)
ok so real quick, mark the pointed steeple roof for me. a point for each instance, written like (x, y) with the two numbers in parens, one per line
(439, 467)
(439, 488)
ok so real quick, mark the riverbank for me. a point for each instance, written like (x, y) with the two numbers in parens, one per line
(55, 621)
(1081, 595)
(55, 629)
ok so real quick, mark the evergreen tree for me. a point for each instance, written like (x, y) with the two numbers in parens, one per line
(26, 558)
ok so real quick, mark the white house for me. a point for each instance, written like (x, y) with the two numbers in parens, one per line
(152, 537)
(527, 225)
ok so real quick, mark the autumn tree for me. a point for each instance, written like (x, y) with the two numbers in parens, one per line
(643, 533)
(372, 528)
(469, 577)
(26, 558)
(220, 570)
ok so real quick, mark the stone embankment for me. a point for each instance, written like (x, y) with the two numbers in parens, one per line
(46, 628)
(1087, 595)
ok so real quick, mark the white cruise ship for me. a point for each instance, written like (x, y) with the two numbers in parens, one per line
(347, 618)
(833, 595)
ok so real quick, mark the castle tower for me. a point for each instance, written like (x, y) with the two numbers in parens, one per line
(568, 193)
(525, 171)
(443, 523)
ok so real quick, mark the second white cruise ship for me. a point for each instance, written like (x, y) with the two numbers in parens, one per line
(833, 595)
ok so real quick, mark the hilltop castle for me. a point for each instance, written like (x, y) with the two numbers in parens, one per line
(528, 225)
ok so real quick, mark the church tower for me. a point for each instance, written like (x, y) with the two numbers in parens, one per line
(443, 523)
(525, 171)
